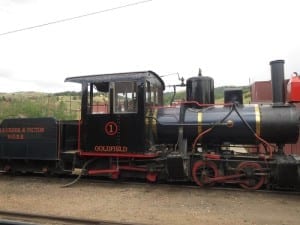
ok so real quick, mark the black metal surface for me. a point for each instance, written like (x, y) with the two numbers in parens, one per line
(233, 95)
(200, 89)
(29, 139)
(287, 172)
(279, 124)
(277, 75)
(175, 167)
(68, 135)
(275, 124)
(238, 133)
(129, 136)
(168, 121)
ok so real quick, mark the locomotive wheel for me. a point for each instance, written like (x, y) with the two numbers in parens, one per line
(202, 171)
(252, 180)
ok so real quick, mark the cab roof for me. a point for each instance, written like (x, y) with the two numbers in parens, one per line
(130, 76)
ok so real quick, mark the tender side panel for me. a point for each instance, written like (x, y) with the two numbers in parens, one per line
(32, 139)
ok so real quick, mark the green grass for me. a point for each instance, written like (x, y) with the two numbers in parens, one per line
(219, 95)
(32, 104)
(66, 105)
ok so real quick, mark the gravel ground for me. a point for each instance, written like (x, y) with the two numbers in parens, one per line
(147, 203)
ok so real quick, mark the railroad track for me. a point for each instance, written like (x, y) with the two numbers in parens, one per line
(89, 180)
(187, 185)
(192, 186)
(21, 218)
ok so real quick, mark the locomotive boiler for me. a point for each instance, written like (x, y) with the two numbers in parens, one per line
(125, 131)
(232, 122)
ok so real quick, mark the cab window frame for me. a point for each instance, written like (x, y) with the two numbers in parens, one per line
(125, 97)
(99, 98)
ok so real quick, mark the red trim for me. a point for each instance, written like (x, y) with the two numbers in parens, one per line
(7, 168)
(111, 131)
(96, 172)
(225, 178)
(79, 135)
(246, 184)
(58, 127)
(204, 177)
(115, 175)
(151, 176)
(199, 136)
(194, 103)
(133, 168)
(212, 156)
(120, 155)
(205, 105)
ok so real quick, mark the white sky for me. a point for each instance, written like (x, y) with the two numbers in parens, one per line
(231, 40)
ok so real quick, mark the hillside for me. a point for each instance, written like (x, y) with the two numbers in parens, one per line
(36, 104)
(219, 94)
(66, 105)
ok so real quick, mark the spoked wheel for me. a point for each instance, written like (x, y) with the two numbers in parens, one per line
(202, 171)
(253, 178)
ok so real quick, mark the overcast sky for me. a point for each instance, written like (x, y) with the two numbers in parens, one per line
(232, 41)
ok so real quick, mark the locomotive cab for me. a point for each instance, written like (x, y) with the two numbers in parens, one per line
(113, 112)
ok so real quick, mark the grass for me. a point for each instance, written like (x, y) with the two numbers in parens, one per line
(66, 105)
(33, 104)
(219, 95)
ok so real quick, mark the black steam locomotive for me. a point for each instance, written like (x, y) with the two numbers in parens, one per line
(125, 131)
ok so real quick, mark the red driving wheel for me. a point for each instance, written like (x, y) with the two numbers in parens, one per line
(202, 171)
(253, 178)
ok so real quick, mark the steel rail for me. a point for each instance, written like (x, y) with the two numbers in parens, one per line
(49, 218)
(91, 180)
(191, 186)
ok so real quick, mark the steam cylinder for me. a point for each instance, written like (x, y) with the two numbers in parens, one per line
(274, 124)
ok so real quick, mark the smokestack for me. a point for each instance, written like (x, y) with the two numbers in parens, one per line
(277, 74)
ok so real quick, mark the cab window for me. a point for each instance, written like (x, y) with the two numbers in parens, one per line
(99, 98)
(125, 96)
(153, 95)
